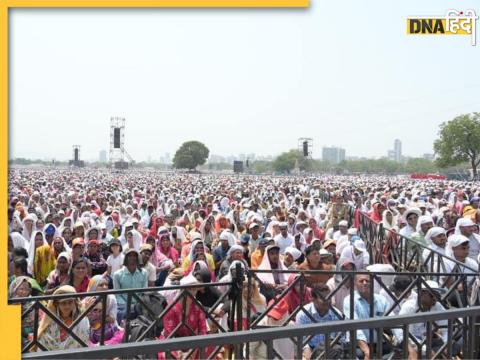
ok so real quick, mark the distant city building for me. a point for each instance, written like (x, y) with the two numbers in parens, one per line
(397, 147)
(333, 155)
(102, 157)
(396, 153)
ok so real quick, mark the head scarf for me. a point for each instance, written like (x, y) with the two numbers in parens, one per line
(294, 252)
(18, 240)
(424, 219)
(16, 284)
(265, 265)
(233, 249)
(53, 307)
(94, 281)
(432, 232)
(461, 223)
(31, 248)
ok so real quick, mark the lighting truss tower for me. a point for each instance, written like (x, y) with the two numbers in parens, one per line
(305, 146)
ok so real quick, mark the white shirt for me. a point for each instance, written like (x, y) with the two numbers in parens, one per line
(418, 330)
(474, 246)
(427, 252)
(391, 302)
(283, 242)
(342, 243)
(151, 271)
(338, 234)
(115, 262)
(361, 261)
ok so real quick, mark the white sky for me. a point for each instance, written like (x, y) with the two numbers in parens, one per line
(241, 81)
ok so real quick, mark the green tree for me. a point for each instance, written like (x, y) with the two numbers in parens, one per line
(286, 161)
(190, 155)
(459, 141)
(261, 166)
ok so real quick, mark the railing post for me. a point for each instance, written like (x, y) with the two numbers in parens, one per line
(238, 293)
(104, 318)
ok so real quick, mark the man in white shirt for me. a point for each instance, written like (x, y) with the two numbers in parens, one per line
(428, 302)
(467, 227)
(342, 230)
(284, 239)
(437, 239)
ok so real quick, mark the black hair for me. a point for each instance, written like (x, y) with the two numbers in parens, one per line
(309, 249)
(401, 282)
(75, 263)
(318, 290)
(19, 252)
(21, 263)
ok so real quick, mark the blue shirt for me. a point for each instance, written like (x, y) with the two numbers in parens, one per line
(361, 310)
(124, 279)
(219, 253)
(303, 319)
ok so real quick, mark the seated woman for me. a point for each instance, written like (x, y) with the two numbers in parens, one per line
(272, 283)
(21, 288)
(198, 247)
(113, 333)
(195, 322)
(53, 336)
(167, 247)
(60, 275)
(100, 283)
(78, 277)
(341, 292)
(200, 263)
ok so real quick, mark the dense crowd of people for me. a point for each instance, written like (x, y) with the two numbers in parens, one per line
(81, 231)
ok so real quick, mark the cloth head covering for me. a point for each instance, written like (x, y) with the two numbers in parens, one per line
(456, 240)
(265, 265)
(434, 231)
(233, 249)
(53, 307)
(18, 240)
(19, 280)
(294, 252)
(424, 219)
(94, 281)
(462, 222)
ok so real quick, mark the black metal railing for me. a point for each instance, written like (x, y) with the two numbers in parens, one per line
(298, 333)
(404, 253)
(134, 296)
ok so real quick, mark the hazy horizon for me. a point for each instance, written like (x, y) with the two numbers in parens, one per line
(241, 81)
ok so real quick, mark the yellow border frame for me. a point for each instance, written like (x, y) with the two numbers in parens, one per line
(10, 315)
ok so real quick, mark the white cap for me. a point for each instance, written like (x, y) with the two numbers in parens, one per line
(465, 222)
(294, 252)
(224, 235)
(434, 286)
(434, 231)
(343, 223)
(324, 252)
(352, 231)
(425, 219)
(456, 240)
(359, 245)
